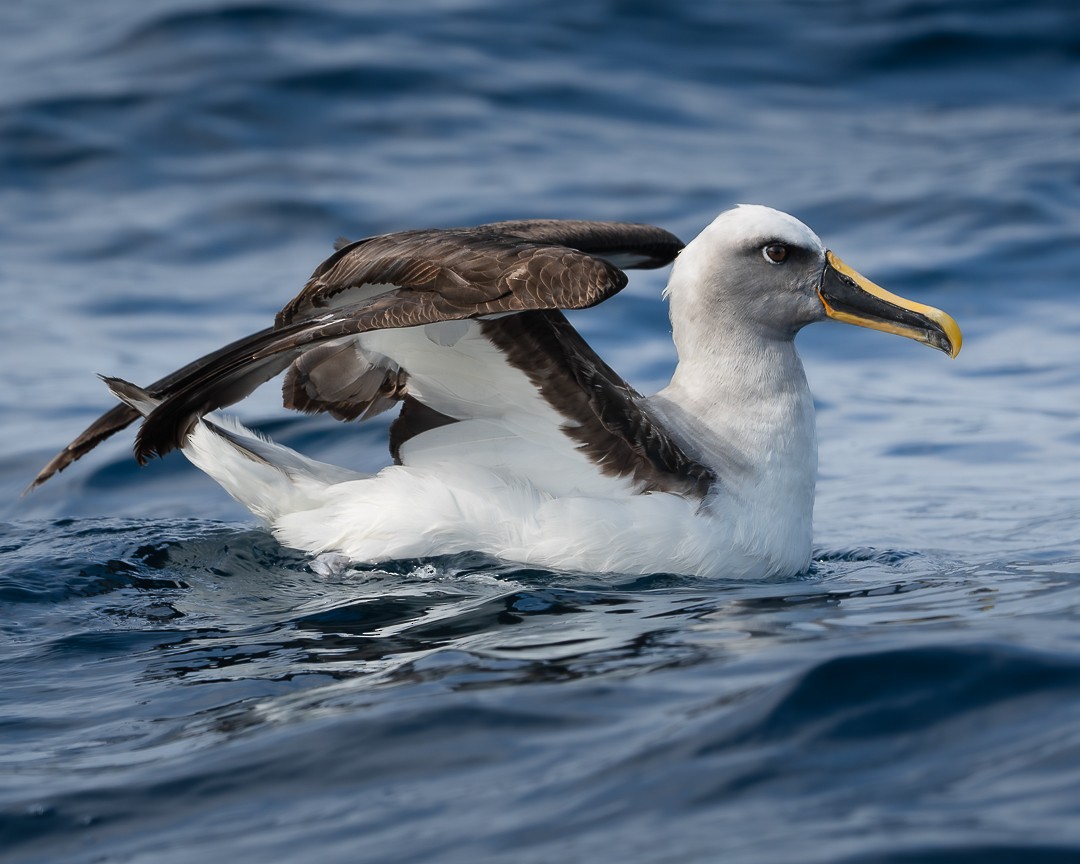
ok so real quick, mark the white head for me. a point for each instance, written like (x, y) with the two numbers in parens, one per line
(755, 272)
(752, 265)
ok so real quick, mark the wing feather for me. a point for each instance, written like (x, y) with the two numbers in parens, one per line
(424, 277)
(517, 277)
(625, 244)
(609, 419)
(122, 416)
(468, 262)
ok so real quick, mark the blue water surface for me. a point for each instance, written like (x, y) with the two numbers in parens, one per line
(176, 687)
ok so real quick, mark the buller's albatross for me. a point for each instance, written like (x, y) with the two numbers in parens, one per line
(514, 438)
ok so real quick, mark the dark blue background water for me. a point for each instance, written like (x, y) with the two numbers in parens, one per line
(175, 687)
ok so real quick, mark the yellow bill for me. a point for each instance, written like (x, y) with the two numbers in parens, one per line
(850, 297)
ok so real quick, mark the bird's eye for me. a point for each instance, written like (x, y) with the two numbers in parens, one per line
(775, 253)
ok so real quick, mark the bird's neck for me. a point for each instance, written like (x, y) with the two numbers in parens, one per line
(743, 407)
(745, 397)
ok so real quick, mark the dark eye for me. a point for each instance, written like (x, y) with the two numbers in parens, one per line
(775, 253)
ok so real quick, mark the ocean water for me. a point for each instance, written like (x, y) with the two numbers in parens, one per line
(176, 687)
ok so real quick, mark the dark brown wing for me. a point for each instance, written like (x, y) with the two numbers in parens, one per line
(122, 416)
(396, 280)
(609, 420)
(436, 276)
(347, 384)
(467, 262)
(627, 245)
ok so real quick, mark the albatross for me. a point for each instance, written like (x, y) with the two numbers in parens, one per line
(513, 437)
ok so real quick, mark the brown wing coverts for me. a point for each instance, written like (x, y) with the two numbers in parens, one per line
(426, 276)
(542, 259)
